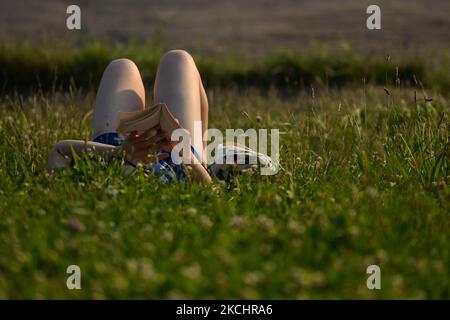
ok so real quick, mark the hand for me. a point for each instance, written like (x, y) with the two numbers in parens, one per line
(142, 146)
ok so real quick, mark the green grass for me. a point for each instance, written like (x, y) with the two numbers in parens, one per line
(25, 67)
(364, 181)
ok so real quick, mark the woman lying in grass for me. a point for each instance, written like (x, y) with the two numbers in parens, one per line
(178, 85)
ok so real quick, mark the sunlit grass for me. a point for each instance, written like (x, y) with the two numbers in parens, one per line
(364, 181)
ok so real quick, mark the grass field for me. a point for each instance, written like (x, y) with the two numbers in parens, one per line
(364, 181)
(365, 151)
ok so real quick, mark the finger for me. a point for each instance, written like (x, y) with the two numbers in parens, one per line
(166, 145)
(151, 132)
(144, 136)
(141, 155)
(153, 141)
(158, 146)
(145, 157)
(132, 135)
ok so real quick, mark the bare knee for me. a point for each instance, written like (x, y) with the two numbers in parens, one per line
(178, 58)
(121, 64)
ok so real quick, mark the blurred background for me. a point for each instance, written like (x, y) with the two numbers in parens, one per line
(259, 43)
(257, 26)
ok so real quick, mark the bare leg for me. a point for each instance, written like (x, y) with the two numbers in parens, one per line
(204, 111)
(61, 154)
(121, 89)
(178, 84)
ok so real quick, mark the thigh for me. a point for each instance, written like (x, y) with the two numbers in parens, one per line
(121, 89)
(178, 85)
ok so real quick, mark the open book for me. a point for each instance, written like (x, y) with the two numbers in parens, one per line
(147, 119)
